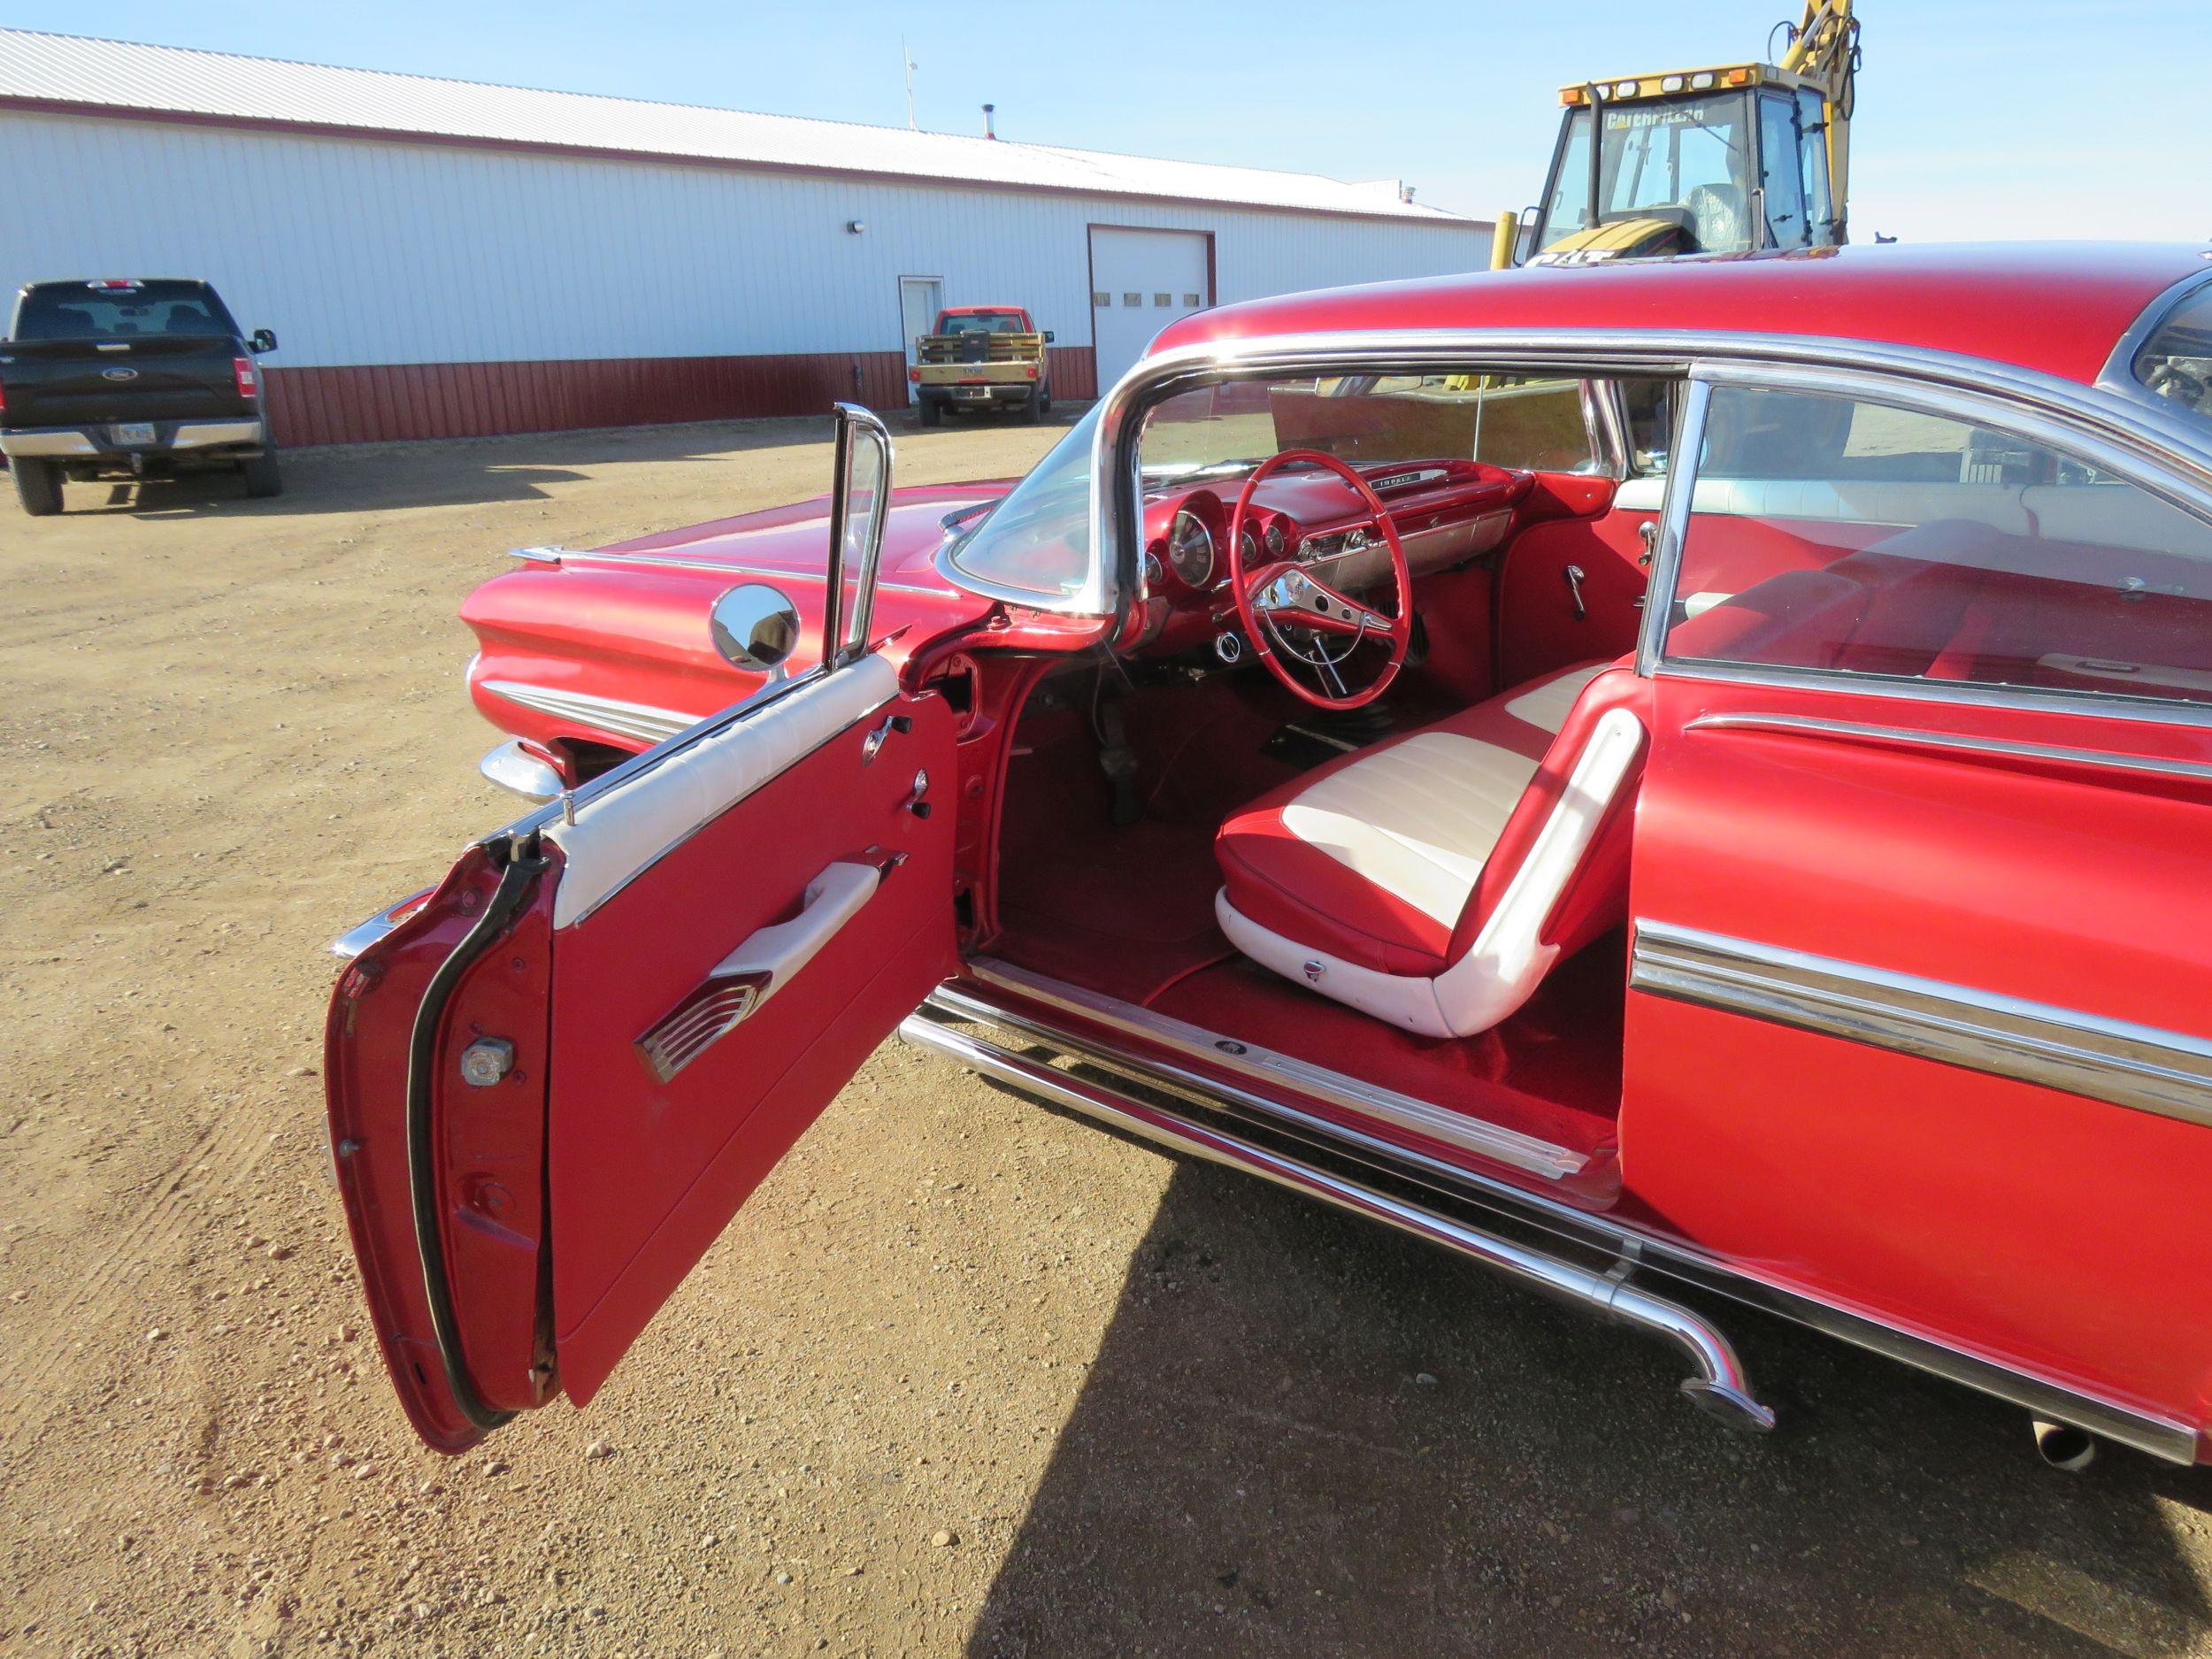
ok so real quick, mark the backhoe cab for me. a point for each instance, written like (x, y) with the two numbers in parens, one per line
(1728, 159)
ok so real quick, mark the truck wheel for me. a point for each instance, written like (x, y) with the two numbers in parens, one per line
(929, 412)
(1044, 399)
(261, 478)
(1030, 411)
(37, 486)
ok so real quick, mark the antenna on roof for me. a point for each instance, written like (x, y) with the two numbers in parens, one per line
(990, 127)
(910, 68)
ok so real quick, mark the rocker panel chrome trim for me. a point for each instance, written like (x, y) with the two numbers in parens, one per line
(1517, 1208)
(1720, 1385)
(1908, 737)
(2139, 1067)
(1280, 1070)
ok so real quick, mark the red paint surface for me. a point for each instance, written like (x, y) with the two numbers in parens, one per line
(2058, 307)
(2041, 1228)
(382, 403)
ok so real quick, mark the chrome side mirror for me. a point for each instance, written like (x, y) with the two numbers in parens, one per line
(754, 627)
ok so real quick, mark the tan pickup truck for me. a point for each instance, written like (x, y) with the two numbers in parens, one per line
(982, 356)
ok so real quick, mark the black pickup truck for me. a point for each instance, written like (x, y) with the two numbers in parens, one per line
(130, 377)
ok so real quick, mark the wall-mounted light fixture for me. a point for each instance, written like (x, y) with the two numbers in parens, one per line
(855, 227)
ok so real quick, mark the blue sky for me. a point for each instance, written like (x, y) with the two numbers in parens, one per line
(1976, 119)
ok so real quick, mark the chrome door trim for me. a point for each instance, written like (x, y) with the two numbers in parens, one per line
(640, 720)
(2144, 1068)
(1282, 1072)
(1908, 737)
(1550, 1221)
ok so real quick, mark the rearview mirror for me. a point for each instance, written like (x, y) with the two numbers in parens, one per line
(1048, 336)
(263, 340)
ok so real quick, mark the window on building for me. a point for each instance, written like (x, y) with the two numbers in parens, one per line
(1860, 539)
(1194, 300)
(1132, 299)
(1101, 298)
(1164, 299)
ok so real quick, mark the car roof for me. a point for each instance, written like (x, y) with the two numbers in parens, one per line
(979, 311)
(2057, 307)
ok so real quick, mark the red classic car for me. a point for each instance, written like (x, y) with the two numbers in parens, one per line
(1689, 784)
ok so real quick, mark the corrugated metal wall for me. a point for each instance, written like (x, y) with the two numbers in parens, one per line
(578, 272)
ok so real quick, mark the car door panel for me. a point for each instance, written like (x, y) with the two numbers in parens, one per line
(524, 1183)
(1936, 1151)
(644, 1170)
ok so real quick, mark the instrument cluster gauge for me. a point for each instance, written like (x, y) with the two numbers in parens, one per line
(1190, 548)
(1249, 547)
(1275, 538)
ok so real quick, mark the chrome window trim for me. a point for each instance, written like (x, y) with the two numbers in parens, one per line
(2115, 440)
(1675, 501)
(1914, 737)
(2167, 436)
(2144, 1068)
(2118, 374)
(2105, 706)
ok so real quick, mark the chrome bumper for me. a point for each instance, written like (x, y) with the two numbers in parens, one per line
(44, 441)
(511, 766)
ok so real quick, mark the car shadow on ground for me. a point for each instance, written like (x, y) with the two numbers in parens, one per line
(470, 471)
(1304, 1434)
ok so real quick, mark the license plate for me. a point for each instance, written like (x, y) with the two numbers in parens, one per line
(974, 394)
(132, 432)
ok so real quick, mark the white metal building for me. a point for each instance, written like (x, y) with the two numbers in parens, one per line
(441, 258)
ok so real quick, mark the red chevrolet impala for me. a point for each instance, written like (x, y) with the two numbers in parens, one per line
(1695, 774)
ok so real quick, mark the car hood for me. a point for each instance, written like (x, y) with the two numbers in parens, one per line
(794, 539)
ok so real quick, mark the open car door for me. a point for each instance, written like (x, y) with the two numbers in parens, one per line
(554, 1080)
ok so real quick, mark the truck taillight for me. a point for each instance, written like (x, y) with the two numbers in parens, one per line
(914, 375)
(248, 378)
(1031, 370)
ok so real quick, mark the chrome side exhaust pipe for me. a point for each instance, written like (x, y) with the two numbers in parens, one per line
(2063, 1446)
(1719, 1386)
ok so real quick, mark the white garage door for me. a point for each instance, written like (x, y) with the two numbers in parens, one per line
(1141, 280)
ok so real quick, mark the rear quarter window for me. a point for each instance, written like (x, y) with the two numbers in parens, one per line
(2176, 362)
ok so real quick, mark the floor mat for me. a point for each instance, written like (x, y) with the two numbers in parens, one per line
(1125, 910)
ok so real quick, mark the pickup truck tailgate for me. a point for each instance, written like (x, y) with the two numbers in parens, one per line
(82, 382)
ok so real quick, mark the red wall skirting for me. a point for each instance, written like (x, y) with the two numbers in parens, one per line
(378, 402)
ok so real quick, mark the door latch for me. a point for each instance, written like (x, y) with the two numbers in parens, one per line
(486, 1061)
(1573, 573)
(914, 803)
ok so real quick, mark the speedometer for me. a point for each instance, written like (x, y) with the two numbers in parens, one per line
(1190, 548)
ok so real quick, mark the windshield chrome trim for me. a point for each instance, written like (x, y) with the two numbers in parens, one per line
(1675, 501)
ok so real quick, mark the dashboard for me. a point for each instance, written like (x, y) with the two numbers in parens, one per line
(1447, 512)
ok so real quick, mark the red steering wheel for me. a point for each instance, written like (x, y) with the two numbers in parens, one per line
(1291, 615)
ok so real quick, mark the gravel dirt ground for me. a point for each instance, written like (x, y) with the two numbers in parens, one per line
(963, 1377)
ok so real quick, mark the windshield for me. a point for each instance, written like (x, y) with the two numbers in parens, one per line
(1038, 540)
(1686, 161)
(114, 311)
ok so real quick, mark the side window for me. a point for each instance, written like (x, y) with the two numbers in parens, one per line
(1650, 406)
(1536, 425)
(1856, 538)
(1781, 180)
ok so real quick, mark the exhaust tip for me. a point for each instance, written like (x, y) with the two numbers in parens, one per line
(2063, 1446)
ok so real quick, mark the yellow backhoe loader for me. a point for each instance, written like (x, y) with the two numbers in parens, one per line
(1726, 159)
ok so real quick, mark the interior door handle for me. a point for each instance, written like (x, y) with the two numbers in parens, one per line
(1573, 573)
(768, 960)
